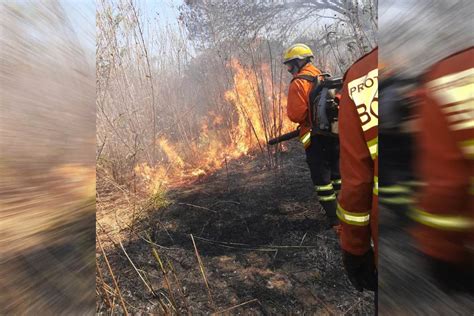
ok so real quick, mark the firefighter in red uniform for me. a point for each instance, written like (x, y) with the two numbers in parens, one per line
(357, 201)
(322, 152)
(445, 209)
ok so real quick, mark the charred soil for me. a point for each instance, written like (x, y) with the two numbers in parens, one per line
(260, 236)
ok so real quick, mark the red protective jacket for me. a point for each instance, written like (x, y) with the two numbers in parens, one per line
(358, 137)
(445, 208)
(298, 101)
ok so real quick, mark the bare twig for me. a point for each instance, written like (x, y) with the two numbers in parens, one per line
(201, 267)
(350, 308)
(101, 278)
(234, 307)
(231, 202)
(302, 239)
(270, 248)
(122, 302)
(149, 76)
(197, 206)
(160, 263)
(138, 272)
(101, 148)
(157, 245)
(180, 287)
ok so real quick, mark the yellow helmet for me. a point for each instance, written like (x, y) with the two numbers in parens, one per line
(297, 51)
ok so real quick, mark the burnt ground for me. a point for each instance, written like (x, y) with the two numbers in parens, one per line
(46, 245)
(262, 239)
(406, 286)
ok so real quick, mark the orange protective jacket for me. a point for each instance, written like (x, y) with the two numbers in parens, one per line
(445, 209)
(358, 137)
(298, 98)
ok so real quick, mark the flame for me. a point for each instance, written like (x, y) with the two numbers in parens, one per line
(154, 178)
(174, 159)
(256, 116)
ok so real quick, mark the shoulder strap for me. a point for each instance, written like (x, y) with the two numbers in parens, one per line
(305, 77)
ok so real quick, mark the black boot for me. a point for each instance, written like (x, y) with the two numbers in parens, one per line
(330, 209)
(327, 199)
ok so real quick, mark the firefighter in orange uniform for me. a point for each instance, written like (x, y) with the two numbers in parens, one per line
(322, 152)
(445, 209)
(357, 201)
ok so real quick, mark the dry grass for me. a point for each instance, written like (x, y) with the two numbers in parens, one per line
(203, 272)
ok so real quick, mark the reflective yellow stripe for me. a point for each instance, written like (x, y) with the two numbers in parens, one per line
(412, 183)
(373, 151)
(357, 219)
(305, 138)
(326, 187)
(376, 185)
(444, 222)
(327, 198)
(394, 189)
(398, 200)
(373, 147)
(468, 148)
(337, 181)
(456, 93)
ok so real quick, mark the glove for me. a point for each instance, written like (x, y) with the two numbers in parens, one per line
(361, 270)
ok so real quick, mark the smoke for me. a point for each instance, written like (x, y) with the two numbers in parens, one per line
(415, 34)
